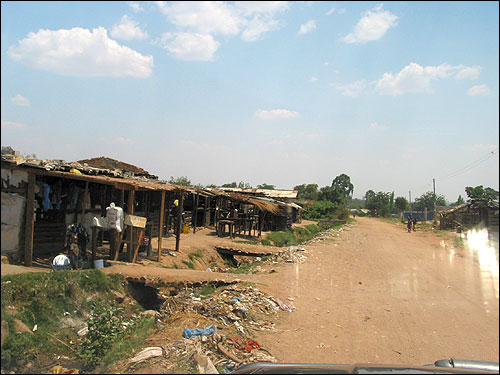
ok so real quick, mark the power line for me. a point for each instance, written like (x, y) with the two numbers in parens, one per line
(470, 166)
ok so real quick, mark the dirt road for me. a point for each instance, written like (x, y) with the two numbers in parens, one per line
(382, 295)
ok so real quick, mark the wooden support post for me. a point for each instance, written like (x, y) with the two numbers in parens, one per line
(94, 245)
(118, 242)
(84, 200)
(195, 218)
(30, 221)
(205, 212)
(141, 235)
(131, 200)
(179, 221)
(160, 228)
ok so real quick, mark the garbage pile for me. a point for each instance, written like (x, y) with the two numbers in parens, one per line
(290, 255)
(226, 339)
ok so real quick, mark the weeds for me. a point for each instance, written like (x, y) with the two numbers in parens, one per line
(189, 264)
(195, 255)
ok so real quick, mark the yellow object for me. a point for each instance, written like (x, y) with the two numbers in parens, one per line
(75, 171)
(176, 202)
(185, 229)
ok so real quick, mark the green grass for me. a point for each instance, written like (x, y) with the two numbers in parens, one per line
(125, 347)
(44, 299)
(189, 264)
(195, 255)
(206, 290)
(296, 236)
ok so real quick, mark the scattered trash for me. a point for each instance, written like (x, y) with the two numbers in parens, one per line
(63, 370)
(205, 365)
(35, 327)
(83, 331)
(246, 345)
(188, 333)
(151, 352)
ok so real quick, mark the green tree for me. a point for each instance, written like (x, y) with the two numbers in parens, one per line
(401, 204)
(244, 185)
(231, 185)
(479, 192)
(342, 183)
(334, 195)
(181, 181)
(426, 200)
(379, 203)
(307, 192)
(459, 201)
(266, 186)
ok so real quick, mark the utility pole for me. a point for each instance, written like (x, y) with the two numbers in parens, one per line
(411, 212)
(434, 189)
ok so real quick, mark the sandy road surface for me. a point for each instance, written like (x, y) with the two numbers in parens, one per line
(386, 296)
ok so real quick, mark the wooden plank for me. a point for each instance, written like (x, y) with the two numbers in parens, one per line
(30, 221)
(207, 200)
(84, 201)
(141, 234)
(94, 245)
(131, 200)
(195, 213)
(179, 221)
(160, 228)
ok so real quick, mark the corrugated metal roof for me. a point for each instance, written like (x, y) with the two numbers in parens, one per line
(271, 193)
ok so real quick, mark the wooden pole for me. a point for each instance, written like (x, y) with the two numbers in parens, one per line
(195, 219)
(30, 221)
(205, 212)
(141, 235)
(131, 199)
(94, 245)
(160, 228)
(84, 200)
(179, 221)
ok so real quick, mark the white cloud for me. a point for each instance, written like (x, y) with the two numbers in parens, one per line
(128, 30)
(372, 26)
(80, 52)
(190, 46)
(314, 79)
(20, 100)
(416, 78)
(257, 27)
(341, 11)
(379, 127)
(250, 19)
(307, 27)
(469, 72)
(330, 12)
(202, 16)
(479, 90)
(12, 125)
(135, 6)
(275, 114)
(354, 89)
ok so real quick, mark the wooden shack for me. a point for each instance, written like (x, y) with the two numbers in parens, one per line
(41, 197)
(475, 213)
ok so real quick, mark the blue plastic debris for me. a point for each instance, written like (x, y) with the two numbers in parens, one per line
(235, 299)
(188, 333)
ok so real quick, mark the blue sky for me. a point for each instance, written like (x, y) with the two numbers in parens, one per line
(286, 93)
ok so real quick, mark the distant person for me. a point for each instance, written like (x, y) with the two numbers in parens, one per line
(414, 222)
(175, 213)
(409, 223)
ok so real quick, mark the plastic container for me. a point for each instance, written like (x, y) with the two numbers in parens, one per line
(98, 263)
(114, 216)
(185, 229)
